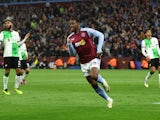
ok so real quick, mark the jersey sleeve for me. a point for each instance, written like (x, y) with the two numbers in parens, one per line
(143, 48)
(18, 37)
(71, 49)
(157, 46)
(1, 36)
(95, 33)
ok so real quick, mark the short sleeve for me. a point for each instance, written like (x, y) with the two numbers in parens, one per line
(1, 36)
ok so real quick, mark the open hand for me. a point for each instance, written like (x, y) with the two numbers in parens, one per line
(27, 36)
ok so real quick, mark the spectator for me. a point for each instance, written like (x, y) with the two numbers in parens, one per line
(71, 61)
(122, 22)
(112, 63)
(59, 63)
(44, 63)
(144, 64)
(132, 64)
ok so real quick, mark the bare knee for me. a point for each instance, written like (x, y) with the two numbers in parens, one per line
(94, 73)
(92, 82)
(19, 71)
(27, 71)
(152, 70)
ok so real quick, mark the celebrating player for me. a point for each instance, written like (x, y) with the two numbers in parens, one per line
(11, 40)
(150, 49)
(80, 41)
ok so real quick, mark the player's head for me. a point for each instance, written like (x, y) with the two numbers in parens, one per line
(7, 24)
(148, 33)
(74, 25)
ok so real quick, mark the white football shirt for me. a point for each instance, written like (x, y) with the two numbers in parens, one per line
(10, 40)
(150, 48)
(23, 52)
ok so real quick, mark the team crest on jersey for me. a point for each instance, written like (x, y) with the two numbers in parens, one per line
(83, 34)
(80, 43)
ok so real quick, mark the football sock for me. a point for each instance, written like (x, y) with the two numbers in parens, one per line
(24, 75)
(102, 93)
(17, 81)
(5, 82)
(100, 79)
(149, 74)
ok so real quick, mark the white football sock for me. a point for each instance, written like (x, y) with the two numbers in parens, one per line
(17, 81)
(5, 82)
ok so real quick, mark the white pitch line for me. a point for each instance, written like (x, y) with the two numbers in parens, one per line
(156, 103)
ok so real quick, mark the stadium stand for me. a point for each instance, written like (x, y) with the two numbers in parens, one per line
(123, 23)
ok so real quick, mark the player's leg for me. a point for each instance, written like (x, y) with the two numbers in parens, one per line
(18, 79)
(25, 66)
(100, 91)
(17, 65)
(25, 74)
(7, 65)
(94, 71)
(96, 63)
(27, 70)
(90, 71)
(149, 74)
(153, 63)
(103, 82)
(5, 81)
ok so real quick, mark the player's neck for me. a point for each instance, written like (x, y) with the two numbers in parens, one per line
(149, 37)
(77, 31)
(10, 30)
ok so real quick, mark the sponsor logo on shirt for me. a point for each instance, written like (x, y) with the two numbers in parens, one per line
(80, 43)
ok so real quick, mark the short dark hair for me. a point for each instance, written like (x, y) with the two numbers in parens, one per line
(147, 30)
(75, 18)
(7, 19)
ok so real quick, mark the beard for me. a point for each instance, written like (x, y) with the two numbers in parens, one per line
(8, 27)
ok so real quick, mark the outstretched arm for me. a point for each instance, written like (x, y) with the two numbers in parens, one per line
(72, 51)
(100, 36)
(24, 40)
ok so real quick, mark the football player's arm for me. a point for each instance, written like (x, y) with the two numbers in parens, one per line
(157, 46)
(100, 36)
(1, 37)
(143, 49)
(24, 40)
(26, 54)
(71, 49)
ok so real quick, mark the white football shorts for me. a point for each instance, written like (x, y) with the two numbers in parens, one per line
(87, 66)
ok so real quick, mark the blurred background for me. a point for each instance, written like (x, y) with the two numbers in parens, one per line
(123, 23)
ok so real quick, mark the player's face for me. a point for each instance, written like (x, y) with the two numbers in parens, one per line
(148, 34)
(74, 25)
(8, 25)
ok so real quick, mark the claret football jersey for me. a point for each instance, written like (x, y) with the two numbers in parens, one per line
(84, 45)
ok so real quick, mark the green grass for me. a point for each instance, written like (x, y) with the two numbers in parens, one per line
(66, 95)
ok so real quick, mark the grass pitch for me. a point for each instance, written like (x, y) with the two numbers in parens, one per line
(66, 95)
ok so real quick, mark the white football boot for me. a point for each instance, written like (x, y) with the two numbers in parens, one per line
(106, 86)
(110, 102)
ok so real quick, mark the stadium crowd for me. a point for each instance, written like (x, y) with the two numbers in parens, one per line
(123, 23)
